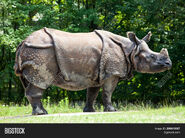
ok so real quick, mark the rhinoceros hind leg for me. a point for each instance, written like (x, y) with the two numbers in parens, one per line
(108, 89)
(24, 82)
(34, 95)
(92, 93)
(109, 108)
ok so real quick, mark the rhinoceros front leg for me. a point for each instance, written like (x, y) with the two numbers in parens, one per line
(34, 95)
(92, 93)
(108, 88)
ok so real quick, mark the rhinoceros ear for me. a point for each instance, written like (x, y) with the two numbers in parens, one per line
(133, 38)
(147, 37)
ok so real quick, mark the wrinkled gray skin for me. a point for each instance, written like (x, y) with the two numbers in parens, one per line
(77, 61)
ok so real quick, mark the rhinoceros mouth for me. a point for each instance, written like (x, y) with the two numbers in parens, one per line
(165, 65)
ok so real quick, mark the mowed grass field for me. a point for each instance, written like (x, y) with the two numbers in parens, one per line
(128, 114)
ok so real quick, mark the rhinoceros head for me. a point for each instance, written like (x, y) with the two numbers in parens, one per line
(144, 59)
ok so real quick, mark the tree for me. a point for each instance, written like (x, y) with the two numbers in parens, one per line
(165, 18)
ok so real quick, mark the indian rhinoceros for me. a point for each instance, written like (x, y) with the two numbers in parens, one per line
(77, 61)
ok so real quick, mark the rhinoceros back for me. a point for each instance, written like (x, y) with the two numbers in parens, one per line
(76, 57)
(77, 53)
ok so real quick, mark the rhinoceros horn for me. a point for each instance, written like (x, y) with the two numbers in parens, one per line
(164, 51)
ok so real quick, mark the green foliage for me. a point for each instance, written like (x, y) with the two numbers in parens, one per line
(165, 18)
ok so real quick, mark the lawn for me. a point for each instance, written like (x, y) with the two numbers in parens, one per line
(133, 114)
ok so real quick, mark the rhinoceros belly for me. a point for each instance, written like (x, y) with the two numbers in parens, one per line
(76, 85)
(79, 76)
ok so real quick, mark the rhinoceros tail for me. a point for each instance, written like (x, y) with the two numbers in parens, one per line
(16, 65)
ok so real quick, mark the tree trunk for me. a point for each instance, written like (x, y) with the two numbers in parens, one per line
(10, 80)
(60, 11)
(93, 26)
(57, 96)
(0, 94)
(78, 4)
(86, 4)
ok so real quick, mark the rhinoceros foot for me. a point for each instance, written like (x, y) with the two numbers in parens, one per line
(88, 109)
(39, 110)
(109, 108)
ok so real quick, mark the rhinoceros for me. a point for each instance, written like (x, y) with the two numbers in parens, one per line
(77, 61)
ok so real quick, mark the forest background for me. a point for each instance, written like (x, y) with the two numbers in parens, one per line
(164, 18)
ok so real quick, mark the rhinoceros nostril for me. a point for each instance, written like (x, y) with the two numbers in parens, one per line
(167, 63)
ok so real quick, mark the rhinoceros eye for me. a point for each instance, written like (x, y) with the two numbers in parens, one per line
(153, 56)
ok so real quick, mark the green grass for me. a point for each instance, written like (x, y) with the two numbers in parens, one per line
(161, 115)
(16, 110)
(129, 113)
